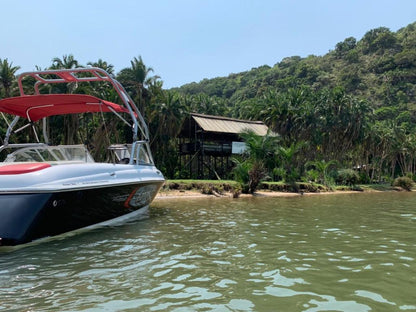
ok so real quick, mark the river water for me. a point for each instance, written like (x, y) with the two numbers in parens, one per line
(348, 252)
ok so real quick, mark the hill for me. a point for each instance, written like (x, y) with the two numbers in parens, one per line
(380, 68)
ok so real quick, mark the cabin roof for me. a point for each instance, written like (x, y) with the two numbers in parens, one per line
(227, 125)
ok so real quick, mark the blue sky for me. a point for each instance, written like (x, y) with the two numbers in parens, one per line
(184, 40)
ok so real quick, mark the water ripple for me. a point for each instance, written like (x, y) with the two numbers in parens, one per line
(329, 253)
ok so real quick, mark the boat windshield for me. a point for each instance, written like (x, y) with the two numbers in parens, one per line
(121, 153)
(45, 153)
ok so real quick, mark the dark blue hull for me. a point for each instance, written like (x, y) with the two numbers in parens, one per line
(26, 217)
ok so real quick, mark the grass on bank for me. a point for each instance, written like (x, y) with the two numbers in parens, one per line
(221, 187)
(209, 187)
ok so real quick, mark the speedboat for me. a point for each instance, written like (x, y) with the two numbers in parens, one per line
(46, 189)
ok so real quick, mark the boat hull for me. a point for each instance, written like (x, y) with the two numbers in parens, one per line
(25, 217)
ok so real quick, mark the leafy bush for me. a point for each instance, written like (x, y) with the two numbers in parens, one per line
(347, 177)
(249, 175)
(279, 174)
(241, 175)
(404, 182)
(312, 175)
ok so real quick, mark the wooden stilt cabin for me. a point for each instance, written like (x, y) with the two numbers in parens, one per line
(207, 144)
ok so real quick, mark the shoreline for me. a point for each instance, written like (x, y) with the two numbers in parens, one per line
(177, 194)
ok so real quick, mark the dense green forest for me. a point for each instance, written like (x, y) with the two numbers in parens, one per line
(345, 117)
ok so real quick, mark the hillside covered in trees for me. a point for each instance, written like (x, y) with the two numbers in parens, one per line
(348, 114)
(378, 68)
(355, 105)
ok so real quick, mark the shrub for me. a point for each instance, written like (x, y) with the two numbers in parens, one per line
(279, 174)
(404, 182)
(242, 176)
(347, 177)
(364, 178)
(312, 175)
(249, 175)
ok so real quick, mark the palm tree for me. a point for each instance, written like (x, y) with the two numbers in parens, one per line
(210, 105)
(135, 79)
(261, 148)
(322, 167)
(343, 121)
(165, 122)
(168, 115)
(286, 156)
(141, 71)
(7, 75)
(67, 62)
(109, 68)
(260, 156)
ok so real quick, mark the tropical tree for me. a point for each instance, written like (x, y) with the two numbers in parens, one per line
(259, 158)
(7, 76)
(343, 122)
(322, 167)
(210, 105)
(136, 79)
(109, 68)
(165, 123)
(286, 157)
(67, 62)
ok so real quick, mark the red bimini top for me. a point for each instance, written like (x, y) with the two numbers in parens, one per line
(35, 107)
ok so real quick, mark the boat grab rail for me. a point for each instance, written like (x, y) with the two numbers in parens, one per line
(140, 153)
(137, 153)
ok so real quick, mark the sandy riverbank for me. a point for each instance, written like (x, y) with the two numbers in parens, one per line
(197, 194)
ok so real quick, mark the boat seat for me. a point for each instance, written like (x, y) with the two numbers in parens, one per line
(22, 168)
(124, 161)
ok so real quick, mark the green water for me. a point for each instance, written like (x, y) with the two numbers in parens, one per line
(307, 253)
